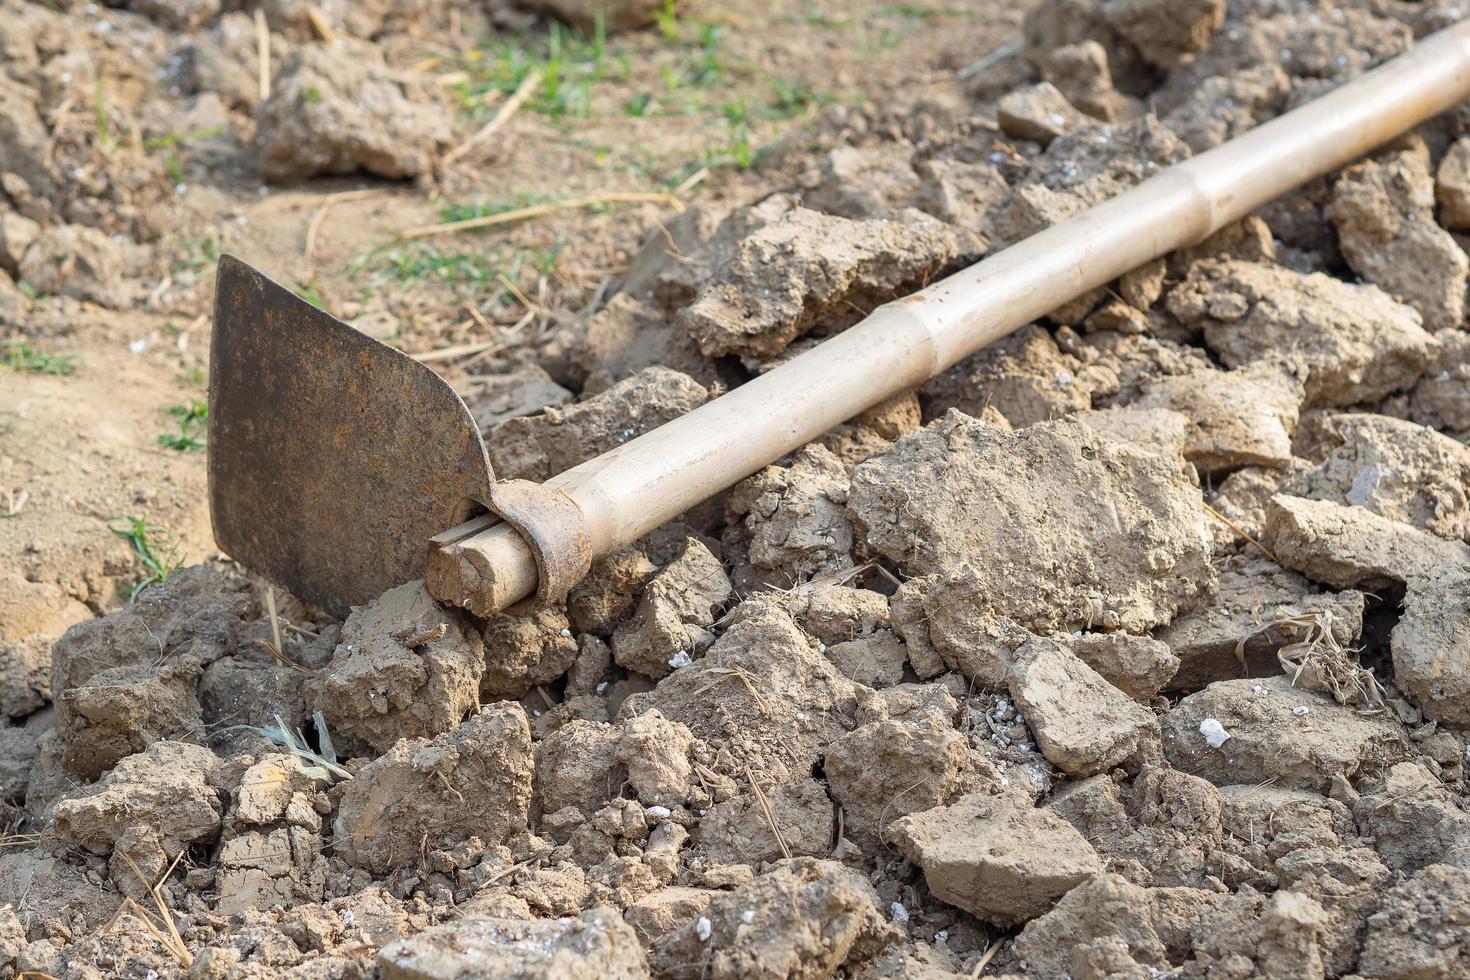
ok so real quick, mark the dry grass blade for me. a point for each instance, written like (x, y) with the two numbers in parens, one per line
(540, 210)
(1239, 530)
(276, 648)
(173, 941)
(985, 959)
(497, 122)
(262, 54)
(723, 673)
(320, 25)
(1317, 661)
(765, 805)
(458, 350)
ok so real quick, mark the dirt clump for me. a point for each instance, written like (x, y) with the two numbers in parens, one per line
(538, 447)
(803, 919)
(1039, 113)
(1357, 344)
(338, 109)
(1421, 928)
(436, 793)
(804, 267)
(761, 694)
(997, 857)
(525, 649)
(791, 521)
(888, 769)
(672, 619)
(944, 498)
(1025, 377)
(1383, 210)
(1245, 417)
(405, 667)
(1405, 472)
(127, 680)
(594, 945)
(1247, 731)
(1083, 724)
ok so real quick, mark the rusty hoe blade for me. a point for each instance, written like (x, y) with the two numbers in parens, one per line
(333, 458)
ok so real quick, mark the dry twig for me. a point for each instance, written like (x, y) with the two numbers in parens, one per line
(497, 122)
(540, 210)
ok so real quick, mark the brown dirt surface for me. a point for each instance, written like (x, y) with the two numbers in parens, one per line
(1134, 645)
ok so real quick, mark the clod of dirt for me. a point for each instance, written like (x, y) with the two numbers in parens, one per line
(834, 614)
(803, 920)
(672, 620)
(791, 521)
(1383, 210)
(1442, 397)
(1139, 666)
(78, 261)
(1452, 186)
(596, 945)
(525, 390)
(523, 650)
(807, 267)
(1083, 724)
(997, 857)
(624, 337)
(25, 676)
(1165, 32)
(613, 15)
(744, 830)
(1245, 417)
(1080, 169)
(1250, 731)
(128, 679)
(888, 769)
(1413, 820)
(598, 602)
(761, 694)
(25, 142)
(1095, 534)
(1105, 906)
(179, 15)
(959, 191)
(406, 667)
(876, 660)
(165, 789)
(656, 915)
(1223, 107)
(17, 232)
(1357, 344)
(1350, 547)
(1039, 113)
(432, 794)
(1259, 608)
(1276, 936)
(540, 446)
(338, 109)
(1422, 927)
(1395, 469)
(862, 182)
(1025, 377)
(1082, 73)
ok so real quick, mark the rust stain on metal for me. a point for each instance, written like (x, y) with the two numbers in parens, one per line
(333, 458)
(555, 528)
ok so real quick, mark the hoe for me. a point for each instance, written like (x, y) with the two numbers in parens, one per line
(340, 467)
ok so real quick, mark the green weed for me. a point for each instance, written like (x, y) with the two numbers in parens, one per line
(193, 422)
(667, 19)
(20, 356)
(311, 292)
(156, 547)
